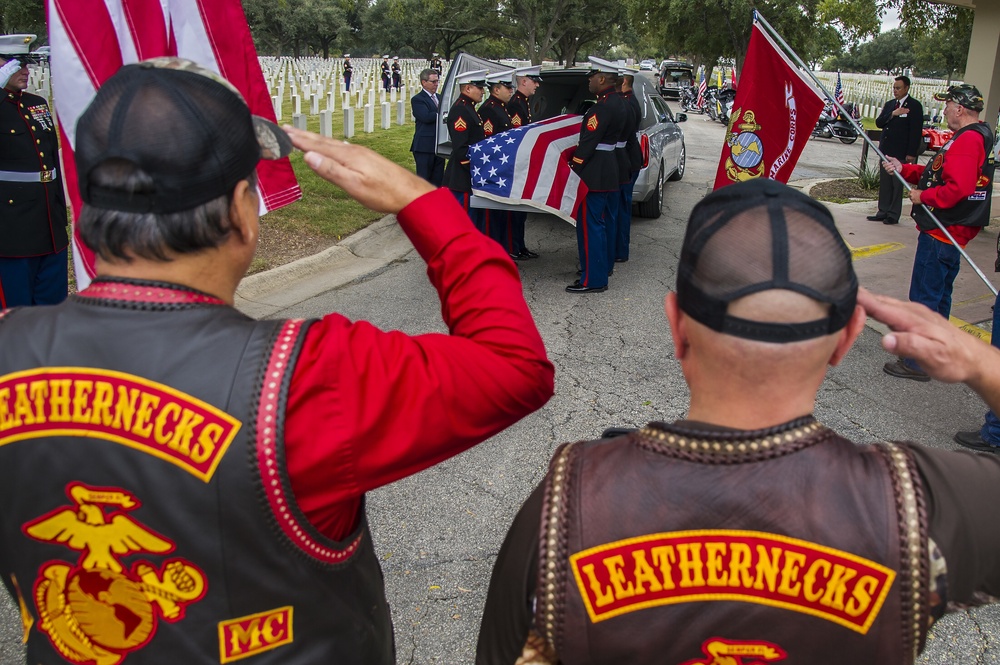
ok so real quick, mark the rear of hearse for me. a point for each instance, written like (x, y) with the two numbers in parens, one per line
(565, 91)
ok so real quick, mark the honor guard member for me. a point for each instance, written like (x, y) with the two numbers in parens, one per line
(348, 71)
(189, 485)
(634, 152)
(397, 79)
(33, 236)
(617, 106)
(596, 163)
(526, 82)
(493, 113)
(465, 127)
(749, 532)
(436, 63)
(386, 75)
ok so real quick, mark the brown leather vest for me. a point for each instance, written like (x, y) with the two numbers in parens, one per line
(676, 546)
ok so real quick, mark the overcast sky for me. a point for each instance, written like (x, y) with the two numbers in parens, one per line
(890, 20)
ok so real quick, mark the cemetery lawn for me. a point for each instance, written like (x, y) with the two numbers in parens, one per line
(325, 214)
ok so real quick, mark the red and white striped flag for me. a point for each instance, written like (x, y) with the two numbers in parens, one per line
(92, 39)
(529, 165)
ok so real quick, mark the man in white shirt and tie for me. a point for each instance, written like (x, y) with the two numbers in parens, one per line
(425, 105)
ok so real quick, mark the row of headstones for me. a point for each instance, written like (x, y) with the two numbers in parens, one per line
(871, 91)
(40, 80)
(299, 120)
(317, 76)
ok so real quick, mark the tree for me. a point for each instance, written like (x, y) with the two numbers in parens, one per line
(444, 26)
(23, 16)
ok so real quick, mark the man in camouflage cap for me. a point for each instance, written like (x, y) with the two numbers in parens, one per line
(957, 186)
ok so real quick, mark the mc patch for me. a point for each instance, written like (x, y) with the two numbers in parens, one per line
(250, 635)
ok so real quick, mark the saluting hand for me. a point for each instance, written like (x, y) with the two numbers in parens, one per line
(369, 178)
(945, 352)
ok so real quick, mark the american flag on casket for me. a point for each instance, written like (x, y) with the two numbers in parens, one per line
(529, 165)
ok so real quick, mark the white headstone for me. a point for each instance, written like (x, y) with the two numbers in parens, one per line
(348, 122)
(386, 115)
(276, 102)
(369, 119)
(331, 102)
(298, 121)
(400, 112)
(326, 123)
(313, 104)
(296, 104)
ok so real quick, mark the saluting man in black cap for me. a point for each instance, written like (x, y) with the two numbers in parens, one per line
(33, 237)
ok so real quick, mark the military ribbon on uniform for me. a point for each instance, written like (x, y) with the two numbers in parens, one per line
(92, 40)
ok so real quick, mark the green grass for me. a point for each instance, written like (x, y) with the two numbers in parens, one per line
(325, 209)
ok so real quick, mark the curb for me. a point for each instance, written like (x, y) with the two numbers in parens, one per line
(360, 255)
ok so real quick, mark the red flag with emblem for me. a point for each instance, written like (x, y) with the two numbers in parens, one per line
(91, 40)
(775, 109)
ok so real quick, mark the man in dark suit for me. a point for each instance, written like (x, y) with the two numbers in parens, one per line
(425, 105)
(901, 120)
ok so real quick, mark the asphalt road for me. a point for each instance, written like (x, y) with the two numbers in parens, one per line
(437, 533)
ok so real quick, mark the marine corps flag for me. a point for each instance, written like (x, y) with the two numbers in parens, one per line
(775, 110)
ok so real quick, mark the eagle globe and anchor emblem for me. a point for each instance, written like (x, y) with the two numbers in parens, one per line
(746, 150)
(98, 611)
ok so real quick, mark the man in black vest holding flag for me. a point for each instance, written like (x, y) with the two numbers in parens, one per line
(957, 186)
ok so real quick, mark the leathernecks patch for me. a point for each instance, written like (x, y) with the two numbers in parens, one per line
(250, 635)
(144, 415)
(97, 610)
(746, 652)
(750, 566)
(592, 123)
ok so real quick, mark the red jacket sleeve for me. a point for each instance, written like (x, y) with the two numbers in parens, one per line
(960, 172)
(367, 407)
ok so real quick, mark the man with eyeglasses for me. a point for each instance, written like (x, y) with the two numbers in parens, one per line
(425, 105)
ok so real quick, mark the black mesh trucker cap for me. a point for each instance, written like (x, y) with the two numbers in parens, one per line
(184, 125)
(756, 236)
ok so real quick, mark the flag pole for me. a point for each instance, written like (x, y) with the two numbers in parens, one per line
(757, 17)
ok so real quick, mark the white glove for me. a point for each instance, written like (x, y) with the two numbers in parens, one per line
(8, 70)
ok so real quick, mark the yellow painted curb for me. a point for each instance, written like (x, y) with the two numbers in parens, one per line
(875, 250)
(972, 329)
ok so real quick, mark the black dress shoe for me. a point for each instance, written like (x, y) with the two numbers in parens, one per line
(516, 257)
(875, 218)
(974, 441)
(577, 287)
(621, 260)
(528, 254)
(890, 221)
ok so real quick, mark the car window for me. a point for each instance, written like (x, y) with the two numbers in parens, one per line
(662, 111)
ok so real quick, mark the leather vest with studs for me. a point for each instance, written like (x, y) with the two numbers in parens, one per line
(679, 546)
(148, 514)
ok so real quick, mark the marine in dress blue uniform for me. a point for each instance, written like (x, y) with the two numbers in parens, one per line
(526, 82)
(634, 152)
(397, 78)
(597, 165)
(386, 76)
(436, 63)
(348, 71)
(465, 128)
(33, 237)
(496, 119)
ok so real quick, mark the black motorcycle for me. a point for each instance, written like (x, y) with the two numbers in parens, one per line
(710, 102)
(726, 98)
(833, 125)
(689, 99)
